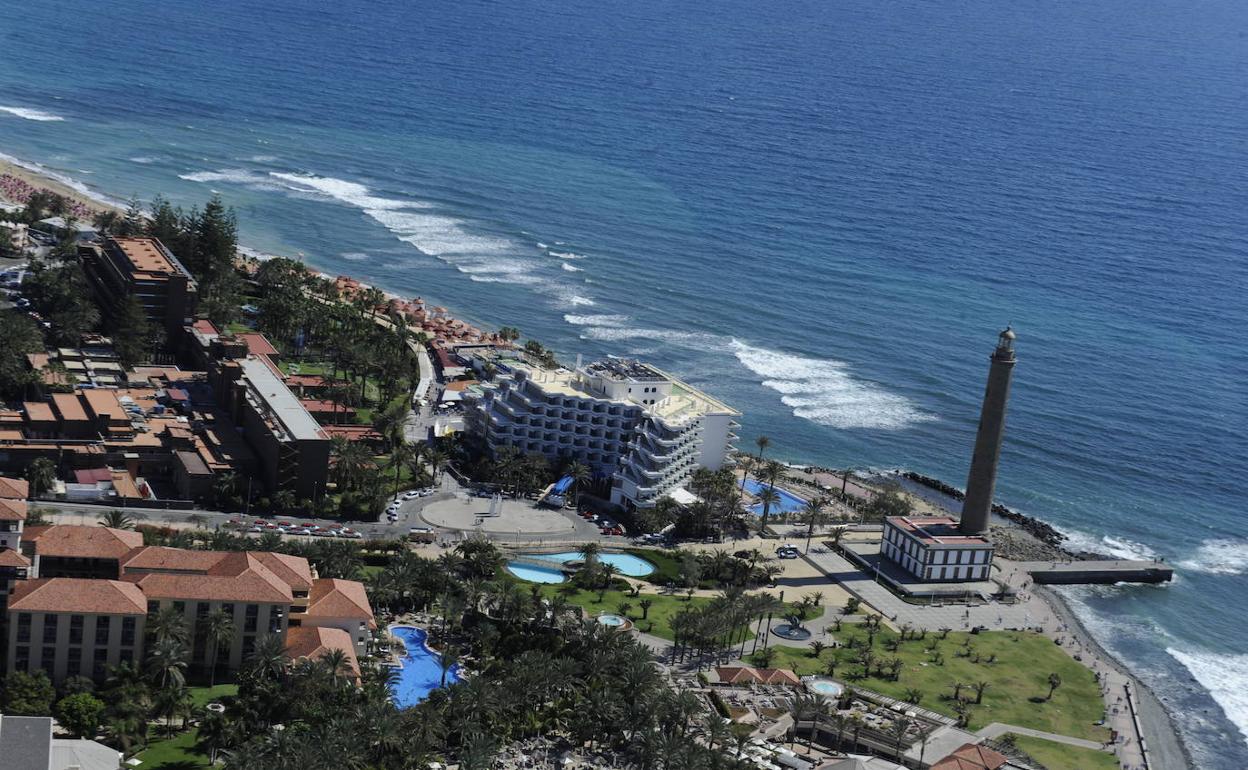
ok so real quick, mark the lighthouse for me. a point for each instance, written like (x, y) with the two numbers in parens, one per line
(983, 476)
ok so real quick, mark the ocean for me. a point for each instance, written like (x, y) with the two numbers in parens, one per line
(821, 212)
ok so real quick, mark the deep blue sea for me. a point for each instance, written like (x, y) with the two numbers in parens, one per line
(820, 211)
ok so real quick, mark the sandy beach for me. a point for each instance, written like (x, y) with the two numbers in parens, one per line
(48, 182)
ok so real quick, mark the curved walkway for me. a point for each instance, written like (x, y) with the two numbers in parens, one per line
(997, 729)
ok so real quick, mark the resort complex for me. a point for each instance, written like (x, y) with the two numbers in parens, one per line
(257, 517)
(629, 421)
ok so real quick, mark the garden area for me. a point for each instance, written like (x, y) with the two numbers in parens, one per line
(998, 676)
(182, 750)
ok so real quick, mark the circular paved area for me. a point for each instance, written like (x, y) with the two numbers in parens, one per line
(515, 516)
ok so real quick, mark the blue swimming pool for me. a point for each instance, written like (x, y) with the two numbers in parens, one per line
(422, 669)
(535, 574)
(626, 563)
(789, 502)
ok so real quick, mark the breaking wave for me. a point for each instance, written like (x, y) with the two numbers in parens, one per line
(826, 392)
(1218, 557)
(596, 320)
(483, 257)
(32, 114)
(1117, 547)
(1226, 679)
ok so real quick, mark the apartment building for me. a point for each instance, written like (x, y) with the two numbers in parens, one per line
(628, 420)
(89, 609)
(142, 268)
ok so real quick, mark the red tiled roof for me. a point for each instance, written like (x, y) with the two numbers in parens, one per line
(82, 541)
(972, 756)
(334, 598)
(160, 558)
(312, 642)
(93, 475)
(12, 510)
(204, 326)
(295, 570)
(11, 558)
(97, 597)
(258, 344)
(14, 489)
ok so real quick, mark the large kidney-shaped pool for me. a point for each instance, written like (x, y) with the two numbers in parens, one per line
(626, 563)
(421, 673)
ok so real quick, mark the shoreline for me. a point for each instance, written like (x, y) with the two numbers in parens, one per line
(1164, 738)
(1166, 747)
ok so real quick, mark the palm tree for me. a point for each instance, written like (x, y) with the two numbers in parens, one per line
(580, 474)
(914, 695)
(814, 512)
(166, 663)
(268, 659)
(41, 475)
(644, 605)
(979, 691)
(170, 701)
(401, 457)
(167, 623)
(119, 520)
(768, 497)
(218, 630)
(213, 733)
(447, 660)
(1055, 682)
(762, 442)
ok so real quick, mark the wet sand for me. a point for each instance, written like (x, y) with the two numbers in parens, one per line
(37, 179)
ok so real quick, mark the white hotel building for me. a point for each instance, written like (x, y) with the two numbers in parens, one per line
(933, 549)
(629, 420)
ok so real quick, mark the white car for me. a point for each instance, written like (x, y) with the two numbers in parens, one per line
(412, 495)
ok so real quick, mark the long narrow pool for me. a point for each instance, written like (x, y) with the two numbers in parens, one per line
(422, 669)
(626, 563)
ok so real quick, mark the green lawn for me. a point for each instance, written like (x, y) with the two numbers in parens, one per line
(1021, 672)
(176, 753)
(666, 564)
(202, 696)
(1059, 756)
(658, 620)
(371, 569)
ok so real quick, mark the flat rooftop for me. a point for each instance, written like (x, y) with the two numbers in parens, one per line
(278, 402)
(935, 530)
(685, 401)
(148, 255)
(624, 369)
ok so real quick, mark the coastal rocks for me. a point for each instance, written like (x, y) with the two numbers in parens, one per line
(1045, 539)
(1013, 543)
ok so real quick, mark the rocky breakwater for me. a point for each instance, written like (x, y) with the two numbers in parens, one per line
(1025, 539)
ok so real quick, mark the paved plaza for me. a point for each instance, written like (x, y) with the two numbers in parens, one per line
(512, 519)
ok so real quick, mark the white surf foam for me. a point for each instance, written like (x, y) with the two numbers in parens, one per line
(143, 160)
(355, 256)
(570, 268)
(1218, 557)
(1226, 679)
(353, 193)
(32, 114)
(699, 340)
(826, 392)
(565, 255)
(575, 300)
(1118, 547)
(596, 320)
(232, 176)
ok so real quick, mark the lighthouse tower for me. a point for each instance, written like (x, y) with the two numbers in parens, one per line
(983, 476)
